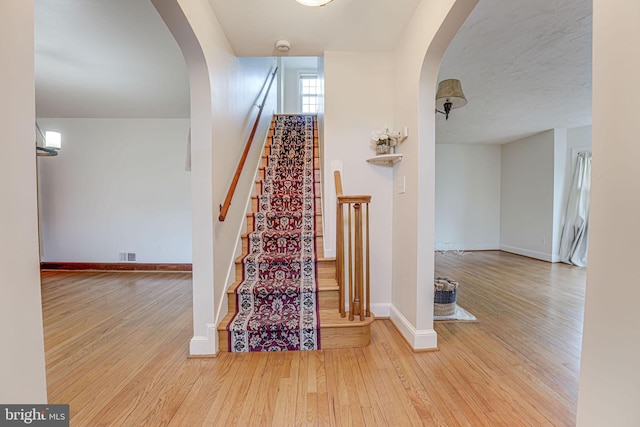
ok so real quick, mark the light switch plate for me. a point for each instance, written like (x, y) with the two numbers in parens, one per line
(403, 185)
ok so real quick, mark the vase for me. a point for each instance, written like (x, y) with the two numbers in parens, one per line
(382, 149)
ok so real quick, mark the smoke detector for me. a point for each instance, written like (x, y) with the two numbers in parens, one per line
(283, 46)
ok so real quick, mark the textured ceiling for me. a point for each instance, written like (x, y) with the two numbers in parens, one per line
(525, 65)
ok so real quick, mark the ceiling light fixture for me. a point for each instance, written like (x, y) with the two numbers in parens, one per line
(314, 2)
(449, 96)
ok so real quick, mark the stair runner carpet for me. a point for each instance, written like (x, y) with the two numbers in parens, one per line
(277, 306)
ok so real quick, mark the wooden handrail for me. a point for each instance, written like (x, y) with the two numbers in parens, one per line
(354, 199)
(224, 208)
(338, 180)
(356, 267)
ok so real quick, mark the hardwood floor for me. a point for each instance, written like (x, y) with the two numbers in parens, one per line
(116, 348)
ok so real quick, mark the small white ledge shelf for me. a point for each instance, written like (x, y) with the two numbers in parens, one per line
(385, 159)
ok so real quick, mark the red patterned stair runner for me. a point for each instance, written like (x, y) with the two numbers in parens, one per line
(277, 305)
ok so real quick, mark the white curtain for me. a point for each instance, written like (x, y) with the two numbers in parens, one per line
(573, 243)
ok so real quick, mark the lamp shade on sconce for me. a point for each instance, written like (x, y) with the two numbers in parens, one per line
(450, 91)
(53, 140)
(449, 96)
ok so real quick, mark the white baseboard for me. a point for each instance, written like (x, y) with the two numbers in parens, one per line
(426, 339)
(452, 246)
(205, 345)
(329, 253)
(381, 310)
(543, 256)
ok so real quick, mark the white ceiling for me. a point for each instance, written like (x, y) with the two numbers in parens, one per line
(253, 26)
(525, 65)
(107, 58)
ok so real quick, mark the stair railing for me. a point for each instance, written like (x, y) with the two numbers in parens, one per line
(224, 208)
(353, 268)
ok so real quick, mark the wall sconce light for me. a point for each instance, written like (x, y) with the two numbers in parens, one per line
(449, 96)
(51, 143)
(314, 2)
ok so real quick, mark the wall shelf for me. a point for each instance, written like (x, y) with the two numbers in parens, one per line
(385, 159)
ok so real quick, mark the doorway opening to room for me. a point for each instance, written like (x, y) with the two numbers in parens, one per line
(300, 85)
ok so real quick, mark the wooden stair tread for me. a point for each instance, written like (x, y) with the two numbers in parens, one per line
(333, 334)
(259, 181)
(319, 260)
(330, 318)
(251, 214)
(316, 233)
(255, 196)
(324, 285)
(225, 321)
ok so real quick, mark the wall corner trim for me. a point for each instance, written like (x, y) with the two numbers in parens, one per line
(542, 256)
(381, 311)
(426, 339)
(204, 345)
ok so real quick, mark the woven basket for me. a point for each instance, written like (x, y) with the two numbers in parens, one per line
(444, 300)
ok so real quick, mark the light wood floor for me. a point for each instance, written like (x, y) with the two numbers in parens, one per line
(116, 348)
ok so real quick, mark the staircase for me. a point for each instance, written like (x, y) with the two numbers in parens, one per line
(335, 331)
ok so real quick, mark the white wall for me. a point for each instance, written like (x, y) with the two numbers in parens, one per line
(468, 191)
(224, 93)
(467, 197)
(559, 190)
(233, 117)
(579, 139)
(290, 91)
(609, 375)
(416, 60)
(352, 111)
(291, 68)
(527, 196)
(117, 185)
(22, 362)
(536, 175)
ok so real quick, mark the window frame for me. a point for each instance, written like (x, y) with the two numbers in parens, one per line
(301, 76)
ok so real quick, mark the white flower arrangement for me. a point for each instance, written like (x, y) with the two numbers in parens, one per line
(384, 137)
